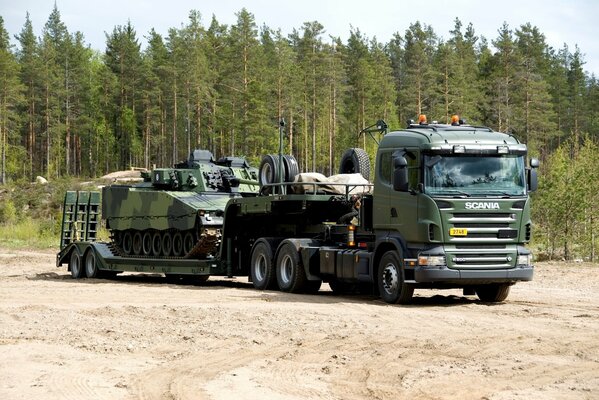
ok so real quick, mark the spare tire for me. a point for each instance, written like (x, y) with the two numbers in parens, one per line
(354, 161)
(268, 170)
(291, 168)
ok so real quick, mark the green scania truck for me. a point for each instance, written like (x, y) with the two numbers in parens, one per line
(449, 207)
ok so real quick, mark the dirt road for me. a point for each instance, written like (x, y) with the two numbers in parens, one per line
(142, 338)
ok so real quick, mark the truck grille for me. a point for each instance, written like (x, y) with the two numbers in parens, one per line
(483, 226)
(471, 257)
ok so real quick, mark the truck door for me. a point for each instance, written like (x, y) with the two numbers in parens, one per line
(402, 207)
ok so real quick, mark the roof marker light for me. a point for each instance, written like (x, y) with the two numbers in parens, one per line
(502, 150)
(459, 149)
(455, 119)
(422, 119)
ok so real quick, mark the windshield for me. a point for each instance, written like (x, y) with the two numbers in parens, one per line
(474, 175)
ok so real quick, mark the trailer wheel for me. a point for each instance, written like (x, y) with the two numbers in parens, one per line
(91, 269)
(493, 293)
(261, 266)
(75, 265)
(291, 276)
(392, 286)
(354, 161)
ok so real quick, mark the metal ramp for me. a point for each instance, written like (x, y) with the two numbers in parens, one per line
(80, 217)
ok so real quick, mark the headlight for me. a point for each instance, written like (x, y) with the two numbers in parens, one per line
(431, 261)
(525, 259)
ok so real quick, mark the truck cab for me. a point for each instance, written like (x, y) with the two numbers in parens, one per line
(453, 201)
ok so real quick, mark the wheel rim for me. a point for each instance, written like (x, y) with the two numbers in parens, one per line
(146, 247)
(127, 243)
(90, 263)
(266, 174)
(260, 267)
(390, 278)
(286, 269)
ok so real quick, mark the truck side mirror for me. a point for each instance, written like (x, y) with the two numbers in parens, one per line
(400, 174)
(533, 181)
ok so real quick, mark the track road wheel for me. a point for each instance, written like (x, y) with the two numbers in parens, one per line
(156, 244)
(75, 266)
(167, 244)
(291, 276)
(262, 269)
(354, 161)
(392, 287)
(91, 267)
(493, 293)
(177, 244)
(146, 243)
(128, 243)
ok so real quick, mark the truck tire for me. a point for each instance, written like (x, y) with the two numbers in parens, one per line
(493, 293)
(355, 160)
(291, 276)
(291, 168)
(91, 267)
(75, 266)
(392, 287)
(268, 172)
(261, 266)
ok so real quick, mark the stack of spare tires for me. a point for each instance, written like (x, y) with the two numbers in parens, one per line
(354, 160)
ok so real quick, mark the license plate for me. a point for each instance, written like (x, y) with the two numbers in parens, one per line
(458, 232)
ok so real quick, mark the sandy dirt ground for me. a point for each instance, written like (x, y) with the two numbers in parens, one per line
(139, 337)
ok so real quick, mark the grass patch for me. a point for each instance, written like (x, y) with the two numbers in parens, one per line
(28, 233)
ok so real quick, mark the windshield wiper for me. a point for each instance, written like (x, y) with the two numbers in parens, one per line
(455, 193)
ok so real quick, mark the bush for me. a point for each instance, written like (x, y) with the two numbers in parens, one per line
(8, 212)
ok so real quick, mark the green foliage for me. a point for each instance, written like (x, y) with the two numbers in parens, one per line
(8, 212)
(565, 209)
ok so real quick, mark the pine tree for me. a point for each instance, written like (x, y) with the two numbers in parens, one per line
(29, 61)
(123, 57)
(10, 98)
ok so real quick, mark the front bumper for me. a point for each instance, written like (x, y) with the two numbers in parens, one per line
(446, 275)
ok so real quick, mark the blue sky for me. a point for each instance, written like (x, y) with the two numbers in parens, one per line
(571, 22)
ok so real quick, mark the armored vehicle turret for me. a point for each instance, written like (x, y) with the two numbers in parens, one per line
(176, 212)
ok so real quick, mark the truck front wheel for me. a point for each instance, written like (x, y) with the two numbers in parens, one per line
(261, 267)
(291, 276)
(392, 286)
(494, 293)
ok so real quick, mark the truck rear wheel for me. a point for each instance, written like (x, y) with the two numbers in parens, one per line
(75, 265)
(392, 286)
(261, 268)
(493, 293)
(291, 276)
(91, 269)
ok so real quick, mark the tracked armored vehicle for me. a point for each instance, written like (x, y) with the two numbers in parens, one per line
(176, 212)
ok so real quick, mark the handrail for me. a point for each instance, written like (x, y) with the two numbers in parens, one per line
(283, 187)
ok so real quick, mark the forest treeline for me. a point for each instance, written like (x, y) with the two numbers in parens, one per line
(69, 110)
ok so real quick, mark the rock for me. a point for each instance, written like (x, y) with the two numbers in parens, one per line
(41, 180)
